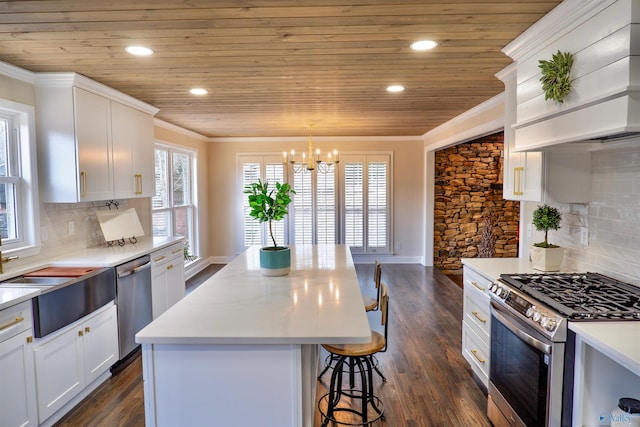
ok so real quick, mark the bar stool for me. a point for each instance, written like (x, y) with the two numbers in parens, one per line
(358, 358)
(370, 304)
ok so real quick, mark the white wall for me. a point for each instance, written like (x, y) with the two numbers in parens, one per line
(225, 192)
(612, 218)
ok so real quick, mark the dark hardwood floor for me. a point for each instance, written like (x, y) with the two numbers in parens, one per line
(428, 381)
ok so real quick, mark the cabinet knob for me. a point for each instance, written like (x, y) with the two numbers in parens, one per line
(87, 329)
(169, 267)
(29, 339)
(80, 333)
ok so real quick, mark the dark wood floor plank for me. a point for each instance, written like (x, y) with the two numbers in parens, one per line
(429, 383)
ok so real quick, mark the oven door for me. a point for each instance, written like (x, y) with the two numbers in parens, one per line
(526, 368)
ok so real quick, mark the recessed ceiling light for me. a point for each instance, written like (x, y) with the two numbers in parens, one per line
(395, 88)
(424, 45)
(138, 50)
(198, 91)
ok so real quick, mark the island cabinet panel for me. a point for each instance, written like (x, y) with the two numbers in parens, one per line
(68, 362)
(476, 323)
(93, 142)
(17, 377)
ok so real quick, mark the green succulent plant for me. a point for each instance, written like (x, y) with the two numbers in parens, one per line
(546, 218)
(556, 76)
(268, 205)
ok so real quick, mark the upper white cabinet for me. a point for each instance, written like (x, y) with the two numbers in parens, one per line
(604, 37)
(94, 143)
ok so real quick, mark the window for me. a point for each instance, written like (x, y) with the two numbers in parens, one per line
(367, 202)
(174, 205)
(18, 189)
(355, 210)
(270, 169)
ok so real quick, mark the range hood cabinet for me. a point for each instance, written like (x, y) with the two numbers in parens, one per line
(604, 104)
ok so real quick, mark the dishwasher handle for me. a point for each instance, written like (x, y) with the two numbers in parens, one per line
(135, 270)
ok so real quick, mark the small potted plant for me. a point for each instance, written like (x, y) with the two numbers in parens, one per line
(269, 205)
(544, 255)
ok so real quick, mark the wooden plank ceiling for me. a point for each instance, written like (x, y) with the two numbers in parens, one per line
(273, 66)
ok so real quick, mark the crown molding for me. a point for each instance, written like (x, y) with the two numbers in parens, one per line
(14, 72)
(292, 139)
(180, 130)
(559, 21)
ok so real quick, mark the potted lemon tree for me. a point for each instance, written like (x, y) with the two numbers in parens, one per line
(544, 255)
(268, 205)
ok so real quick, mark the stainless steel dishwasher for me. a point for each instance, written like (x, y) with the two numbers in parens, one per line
(133, 297)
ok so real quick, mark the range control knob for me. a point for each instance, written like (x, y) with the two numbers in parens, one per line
(549, 324)
(530, 311)
(494, 288)
(537, 316)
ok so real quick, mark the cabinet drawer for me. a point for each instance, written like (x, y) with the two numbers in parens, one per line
(15, 319)
(477, 314)
(162, 256)
(475, 280)
(476, 352)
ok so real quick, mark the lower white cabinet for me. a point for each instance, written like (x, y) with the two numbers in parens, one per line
(476, 323)
(68, 361)
(17, 378)
(167, 278)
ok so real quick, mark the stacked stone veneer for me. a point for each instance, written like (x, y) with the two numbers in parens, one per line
(464, 175)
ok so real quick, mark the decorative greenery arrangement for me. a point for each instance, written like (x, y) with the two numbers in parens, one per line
(187, 255)
(268, 205)
(546, 218)
(556, 79)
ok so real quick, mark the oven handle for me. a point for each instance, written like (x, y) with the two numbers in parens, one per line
(532, 341)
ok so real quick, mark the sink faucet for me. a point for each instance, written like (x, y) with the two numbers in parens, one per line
(4, 259)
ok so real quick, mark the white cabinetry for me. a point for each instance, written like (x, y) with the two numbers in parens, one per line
(70, 360)
(554, 176)
(167, 283)
(94, 143)
(17, 379)
(476, 323)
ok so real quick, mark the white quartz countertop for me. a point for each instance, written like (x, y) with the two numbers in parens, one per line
(492, 268)
(319, 301)
(619, 341)
(91, 257)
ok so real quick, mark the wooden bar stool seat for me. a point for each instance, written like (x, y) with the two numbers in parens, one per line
(361, 403)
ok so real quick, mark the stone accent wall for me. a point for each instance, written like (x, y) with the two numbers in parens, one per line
(465, 196)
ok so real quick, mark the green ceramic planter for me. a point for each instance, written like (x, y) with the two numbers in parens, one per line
(275, 262)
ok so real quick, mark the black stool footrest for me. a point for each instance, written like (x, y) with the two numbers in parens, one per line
(376, 412)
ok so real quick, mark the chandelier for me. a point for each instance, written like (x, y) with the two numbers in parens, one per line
(311, 163)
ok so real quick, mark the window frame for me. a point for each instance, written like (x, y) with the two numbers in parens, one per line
(23, 158)
(171, 209)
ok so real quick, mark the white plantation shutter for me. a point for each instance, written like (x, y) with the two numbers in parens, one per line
(270, 169)
(353, 204)
(326, 207)
(367, 202)
(377, 204)
(252, 228)
(303, 207)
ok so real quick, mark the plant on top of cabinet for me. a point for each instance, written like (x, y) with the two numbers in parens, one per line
(544, 255)
(269, 205)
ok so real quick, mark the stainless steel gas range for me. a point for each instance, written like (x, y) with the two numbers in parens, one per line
(532, 349)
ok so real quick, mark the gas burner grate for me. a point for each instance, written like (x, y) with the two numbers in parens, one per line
(581, 296)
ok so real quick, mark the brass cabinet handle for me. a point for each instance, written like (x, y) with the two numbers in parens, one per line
(478, 358)
(158, 259)
(11, 323)
(83, 184)
(87, 329)
(169, 267)
(29, 339)
(138, 183)
(478, 286)
(477, 316)
(176, 251)
(517, 185)
(80, 333)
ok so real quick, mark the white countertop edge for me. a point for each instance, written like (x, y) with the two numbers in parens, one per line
(620, 341)
(492, 268)
(27, 296)
(250, 340)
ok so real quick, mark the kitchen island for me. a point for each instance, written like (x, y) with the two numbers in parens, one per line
(242, 349)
